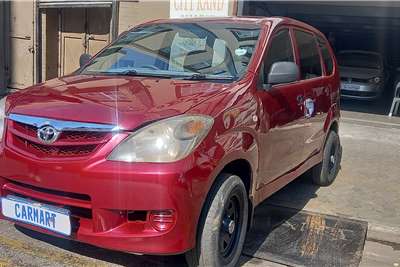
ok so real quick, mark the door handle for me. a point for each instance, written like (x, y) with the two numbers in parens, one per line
(300, 99)
(309, 108)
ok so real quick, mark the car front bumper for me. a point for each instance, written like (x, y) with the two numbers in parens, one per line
(101, 193)
(361, 91)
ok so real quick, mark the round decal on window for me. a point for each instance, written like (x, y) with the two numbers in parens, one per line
(240, 52)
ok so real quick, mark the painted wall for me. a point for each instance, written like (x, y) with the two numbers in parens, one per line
(132, 13)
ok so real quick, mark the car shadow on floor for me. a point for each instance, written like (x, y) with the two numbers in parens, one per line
(295, 196)
(105, 255)
(301, 191)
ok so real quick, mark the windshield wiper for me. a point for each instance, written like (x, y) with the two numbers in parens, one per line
(133, 72)
(202, 76)
(127, 72)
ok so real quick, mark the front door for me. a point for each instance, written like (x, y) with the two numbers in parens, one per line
(83, 30)
(281, 116)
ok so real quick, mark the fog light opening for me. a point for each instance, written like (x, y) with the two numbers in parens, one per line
(162, 220)
(137, 215)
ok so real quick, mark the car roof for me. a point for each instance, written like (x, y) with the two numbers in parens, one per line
(232, 19)
(273, 21)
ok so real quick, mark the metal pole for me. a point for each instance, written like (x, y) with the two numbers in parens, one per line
(6, 43)
(240, 6)
(38, 43)
(2, 42)
(114, 19)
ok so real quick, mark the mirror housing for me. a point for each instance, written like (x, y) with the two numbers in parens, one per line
(84, 59)
(283, 72)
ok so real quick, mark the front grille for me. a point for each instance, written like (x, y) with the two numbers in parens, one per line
(70, 144)
(53, 192)
(65, 136)
(358, 80)
(81, 136)
(57, 151)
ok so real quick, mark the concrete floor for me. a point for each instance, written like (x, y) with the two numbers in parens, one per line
(367, 188)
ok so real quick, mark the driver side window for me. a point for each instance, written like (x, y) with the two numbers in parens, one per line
(281, 49)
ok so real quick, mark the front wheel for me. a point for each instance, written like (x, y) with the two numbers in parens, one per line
(223, 225)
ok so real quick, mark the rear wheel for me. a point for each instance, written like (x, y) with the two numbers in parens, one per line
(325, 173)
(223, 225)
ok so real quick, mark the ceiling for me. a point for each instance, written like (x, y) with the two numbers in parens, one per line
(333, 16)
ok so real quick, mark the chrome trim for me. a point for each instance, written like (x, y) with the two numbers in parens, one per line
(63, 126)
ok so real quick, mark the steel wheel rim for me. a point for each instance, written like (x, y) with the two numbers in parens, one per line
(332, 159)
(230, 227)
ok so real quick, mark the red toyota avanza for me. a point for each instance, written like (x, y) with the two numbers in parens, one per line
(165, 141)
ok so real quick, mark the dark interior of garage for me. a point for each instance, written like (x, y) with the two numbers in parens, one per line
(371, 26)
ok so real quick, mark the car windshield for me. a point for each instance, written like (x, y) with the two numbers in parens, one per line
(359, 60)
(202, 50)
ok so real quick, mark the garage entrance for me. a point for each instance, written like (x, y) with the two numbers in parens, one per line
(43, 39)
(366, 26)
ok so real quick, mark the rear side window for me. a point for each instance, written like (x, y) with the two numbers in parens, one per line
(310, 64)
(326, 56)
(281, 49)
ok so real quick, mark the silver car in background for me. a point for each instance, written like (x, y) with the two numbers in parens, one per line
(362, 74)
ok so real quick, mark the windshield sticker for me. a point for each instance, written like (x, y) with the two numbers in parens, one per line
(240, 52)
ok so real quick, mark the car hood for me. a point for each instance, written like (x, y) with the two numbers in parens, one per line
(123, 101)
(359, 73)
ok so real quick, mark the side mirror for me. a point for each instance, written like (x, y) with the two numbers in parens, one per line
(84, 59)
(283, 72)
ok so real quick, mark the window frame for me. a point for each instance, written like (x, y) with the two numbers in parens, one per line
(331, 55)
(297, 28)
(261, 74)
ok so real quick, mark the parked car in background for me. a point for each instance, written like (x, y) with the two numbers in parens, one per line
(166, 140)
(363, 74)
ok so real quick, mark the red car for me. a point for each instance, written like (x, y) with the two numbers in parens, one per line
(166, 141)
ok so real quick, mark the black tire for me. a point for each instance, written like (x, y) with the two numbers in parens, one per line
(215, 226)
(325, 172)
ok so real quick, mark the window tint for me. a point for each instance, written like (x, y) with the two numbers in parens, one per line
(326, 56)
(310, 64)
(281, 49)
(179, 49)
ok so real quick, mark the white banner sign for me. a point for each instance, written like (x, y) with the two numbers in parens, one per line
(198, 8)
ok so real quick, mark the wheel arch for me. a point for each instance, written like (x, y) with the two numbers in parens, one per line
(241, 167)
(334, 126)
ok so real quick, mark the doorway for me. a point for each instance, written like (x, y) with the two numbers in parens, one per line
(71, 32)
(83, 30)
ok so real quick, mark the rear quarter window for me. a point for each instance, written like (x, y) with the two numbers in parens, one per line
(326, 56)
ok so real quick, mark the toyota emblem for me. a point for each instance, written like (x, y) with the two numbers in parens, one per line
(47, 134)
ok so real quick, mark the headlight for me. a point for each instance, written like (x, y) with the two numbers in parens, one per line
(2, 115)
(166, 140)
(375, 80)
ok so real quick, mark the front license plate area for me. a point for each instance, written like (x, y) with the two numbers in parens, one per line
(45, 216)
(352, 87)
